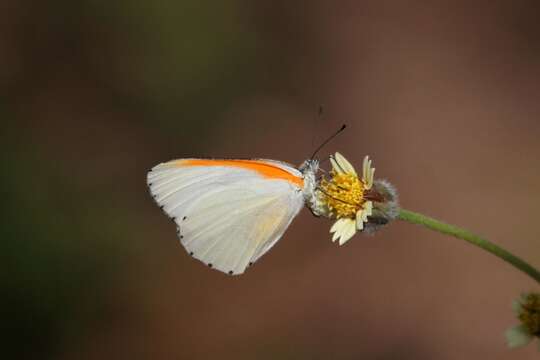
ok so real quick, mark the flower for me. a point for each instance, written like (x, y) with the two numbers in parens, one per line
(527, 310)
(345, 197)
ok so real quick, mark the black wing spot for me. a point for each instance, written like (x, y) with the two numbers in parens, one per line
(184, 218)
(173, 218)
(250, 264)
(191, 253)
(230, 272)
(210, 265)
(149, 184)
(161, 207)
(181, 236)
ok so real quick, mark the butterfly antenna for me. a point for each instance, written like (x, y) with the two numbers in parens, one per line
(327, 141)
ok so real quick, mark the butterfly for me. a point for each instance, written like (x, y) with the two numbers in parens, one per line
(230, 212)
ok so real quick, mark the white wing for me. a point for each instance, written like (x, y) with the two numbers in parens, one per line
(226, 216)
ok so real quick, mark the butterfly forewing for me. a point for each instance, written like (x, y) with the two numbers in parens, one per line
(228, 216)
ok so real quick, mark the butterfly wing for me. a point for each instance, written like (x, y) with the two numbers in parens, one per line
(228, 212)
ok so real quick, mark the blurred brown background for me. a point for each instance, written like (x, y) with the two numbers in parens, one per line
(445, 97)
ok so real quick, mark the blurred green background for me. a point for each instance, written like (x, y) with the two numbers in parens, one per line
(444, 96)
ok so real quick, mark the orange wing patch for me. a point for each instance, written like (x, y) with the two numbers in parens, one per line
(265, 169)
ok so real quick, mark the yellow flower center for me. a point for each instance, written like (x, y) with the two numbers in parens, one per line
(344, 194)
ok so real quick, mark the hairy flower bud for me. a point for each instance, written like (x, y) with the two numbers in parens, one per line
(384, 197)
(527, 310)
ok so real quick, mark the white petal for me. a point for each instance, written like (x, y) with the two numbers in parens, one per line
(364, 167)
(338, 225)
(335, 166)
(345, 238)
(364, 216)
(367, 173)
(517, 336)
(344, 164)
(360, 220)
(348, 231)
(369, 180)
(338, 228)
(368, 207)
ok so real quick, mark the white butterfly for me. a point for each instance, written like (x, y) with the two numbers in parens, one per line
(231, 212)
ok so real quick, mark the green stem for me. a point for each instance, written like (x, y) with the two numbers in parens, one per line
(433, 224)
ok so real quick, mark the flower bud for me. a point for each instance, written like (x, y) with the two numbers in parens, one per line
(384, 197)
(527, 310)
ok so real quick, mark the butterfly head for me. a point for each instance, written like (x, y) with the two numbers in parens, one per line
(312, 196)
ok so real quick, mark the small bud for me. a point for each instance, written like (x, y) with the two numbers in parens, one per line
(527, 310)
